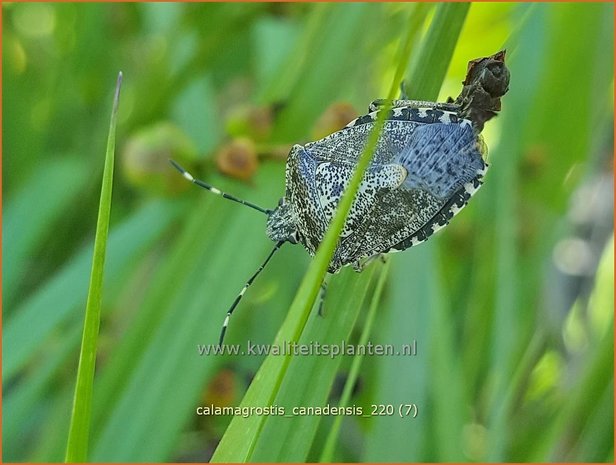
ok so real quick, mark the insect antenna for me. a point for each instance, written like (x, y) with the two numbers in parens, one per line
(241, 294)
(213, 190)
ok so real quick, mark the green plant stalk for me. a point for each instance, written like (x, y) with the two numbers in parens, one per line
(330, 443)
(425, 81)
(580, 401)
(417, 17)
(291, 439)
(239, 440)
(79, 429)
(328, 245)
(280, 88)
(425, 78)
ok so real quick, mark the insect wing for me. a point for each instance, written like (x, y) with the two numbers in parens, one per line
(441, 158)
(445, 166)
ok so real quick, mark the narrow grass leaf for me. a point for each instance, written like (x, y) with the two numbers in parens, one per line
(430, 65)
(79, 431)
(417, 293)
(506, 324)
(280, 87)
(27, 400)
(309, 378)
(596, 442)
(156, 375)
(56, 302)
(327, 454)
(240, 439)
(581, 401)
(323, 50)
(391, 439)
(59, 182)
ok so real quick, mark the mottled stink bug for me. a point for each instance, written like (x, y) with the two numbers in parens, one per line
(428, 163)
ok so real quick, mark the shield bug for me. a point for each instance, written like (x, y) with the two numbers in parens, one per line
(429, 161)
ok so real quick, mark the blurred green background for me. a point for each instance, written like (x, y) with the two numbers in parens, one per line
(511, 305)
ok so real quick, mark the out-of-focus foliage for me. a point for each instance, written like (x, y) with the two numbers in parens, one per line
(511, 305)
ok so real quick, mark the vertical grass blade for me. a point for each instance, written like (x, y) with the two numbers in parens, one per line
(240, 439)
(79, 430)
(430, 67)
(417, 300)
(308, 380)
(332, 438)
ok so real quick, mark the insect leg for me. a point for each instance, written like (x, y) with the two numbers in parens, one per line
(213, 190)
(241, 294)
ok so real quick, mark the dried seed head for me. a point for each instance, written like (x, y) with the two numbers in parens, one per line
(238, 158)
(145, 158)
(335, 117)
(250, 121)
(222, 389)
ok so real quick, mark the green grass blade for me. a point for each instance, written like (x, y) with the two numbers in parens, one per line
(429, 68)
(416, 280)
(288, 75)
(596, 443)
(514, 322)
(581, 401)
(595, 378)
(156, 375)
(23, 404)
(447, 397)
(338, 26)
(77, 446)
(328, 449)
(399, 380)
(60, 182)
(240, 438)
(309, 379)
(32, 323)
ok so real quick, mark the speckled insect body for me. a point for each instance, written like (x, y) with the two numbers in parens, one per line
(427, 164)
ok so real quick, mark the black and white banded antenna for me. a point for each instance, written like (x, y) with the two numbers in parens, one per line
(216, 191)
(213, 190)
